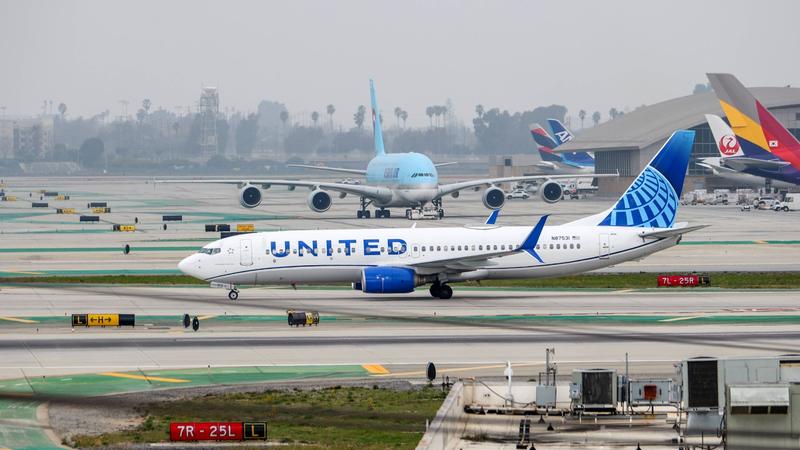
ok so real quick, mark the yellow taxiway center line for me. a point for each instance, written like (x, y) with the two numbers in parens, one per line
(25, 272)
(17, 319)
(678, 319)
(207, 317)
(140, 377)
(376, 369)
(459, 369)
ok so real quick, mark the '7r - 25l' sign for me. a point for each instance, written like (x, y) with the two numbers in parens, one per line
(217, 431)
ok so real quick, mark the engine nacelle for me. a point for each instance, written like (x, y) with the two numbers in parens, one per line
(551, 191)
(387, 280)
(319, 200)
(249, 196)
(494, 198)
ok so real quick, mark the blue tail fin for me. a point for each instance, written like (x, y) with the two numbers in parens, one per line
(652, 199)
(560, 132)
(376, 120)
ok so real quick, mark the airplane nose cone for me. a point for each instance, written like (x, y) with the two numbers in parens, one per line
(188, 266)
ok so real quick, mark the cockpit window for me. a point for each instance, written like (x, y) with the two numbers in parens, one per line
(209, 251)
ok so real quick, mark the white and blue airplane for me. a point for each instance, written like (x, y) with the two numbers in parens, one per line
(398, 260)
(404, 180)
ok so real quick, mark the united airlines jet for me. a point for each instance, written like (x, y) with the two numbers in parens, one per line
(398, 260)
(403, 180)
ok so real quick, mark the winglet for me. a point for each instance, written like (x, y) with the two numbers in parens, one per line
(533, 238)
(492, 217)
(376, 120)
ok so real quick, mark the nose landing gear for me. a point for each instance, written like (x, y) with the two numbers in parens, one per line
(233, 294)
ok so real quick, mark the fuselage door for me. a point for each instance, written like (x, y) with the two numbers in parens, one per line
(605, 245)
(246, 252)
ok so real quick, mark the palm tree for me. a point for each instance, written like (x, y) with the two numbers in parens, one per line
(62, 109)
(596, 117)
(146, 103)
(359, 116)
(397, 112)
(140, 115)
(314, 117)
(479, 111)
(330, 109)
(582, 115)
(613, 113)
(404, 116)
(429, 112)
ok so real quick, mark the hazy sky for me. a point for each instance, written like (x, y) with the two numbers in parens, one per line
(510, 54)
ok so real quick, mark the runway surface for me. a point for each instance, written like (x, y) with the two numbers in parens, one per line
(477, 328)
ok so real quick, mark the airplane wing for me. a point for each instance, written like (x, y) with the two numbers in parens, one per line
(371, 192)
(742, 162)
(445, 189)
(677, 231)
(330, 169)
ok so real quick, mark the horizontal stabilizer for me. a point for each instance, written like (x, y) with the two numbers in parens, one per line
(671, 232)
(742, 162)
(445, 164)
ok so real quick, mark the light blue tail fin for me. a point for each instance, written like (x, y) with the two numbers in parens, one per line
(376, 121)
(652, 199)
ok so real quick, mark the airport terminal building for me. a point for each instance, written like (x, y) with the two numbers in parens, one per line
(628, 142)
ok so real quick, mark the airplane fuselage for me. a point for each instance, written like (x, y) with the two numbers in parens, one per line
(411, 177)
(335, 256)
(746, 178)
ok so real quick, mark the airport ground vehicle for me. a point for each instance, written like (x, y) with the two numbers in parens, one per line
(398, 260)
(791, 202)
(518, 194)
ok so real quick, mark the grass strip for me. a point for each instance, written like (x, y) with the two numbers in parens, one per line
(332, 418)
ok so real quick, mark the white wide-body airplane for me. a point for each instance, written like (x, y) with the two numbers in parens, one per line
(397, 260)
(393, 180)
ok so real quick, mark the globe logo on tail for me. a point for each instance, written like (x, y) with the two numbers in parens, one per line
(728, 145)
(649, 202)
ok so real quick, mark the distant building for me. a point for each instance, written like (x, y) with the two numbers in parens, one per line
(28, 139)
(208, 110)
(627, 143)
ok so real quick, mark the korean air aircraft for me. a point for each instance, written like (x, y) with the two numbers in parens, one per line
(401, 180)
(571, 162)
(727, 164)
(763, 147)
(398, 260)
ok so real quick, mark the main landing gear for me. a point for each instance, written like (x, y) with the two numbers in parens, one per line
(364, 213)
(442, 291)
(233, 294)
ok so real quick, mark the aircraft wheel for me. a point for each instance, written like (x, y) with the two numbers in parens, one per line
(387, 214)
(366, 214)
(445, 292)
(441, 214)
(233, 295)
(360, 214)
(378, 213)
(435, 290)
(408, 214)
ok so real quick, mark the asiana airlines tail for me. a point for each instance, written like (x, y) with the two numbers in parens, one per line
(400, 260)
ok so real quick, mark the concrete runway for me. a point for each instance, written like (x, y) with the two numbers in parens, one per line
(45, 242)
(472, 334)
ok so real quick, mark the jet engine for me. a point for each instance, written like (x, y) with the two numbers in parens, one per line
(249, 196)
(494, 198)
(319, 200)
(551, 191)
(387, 280)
